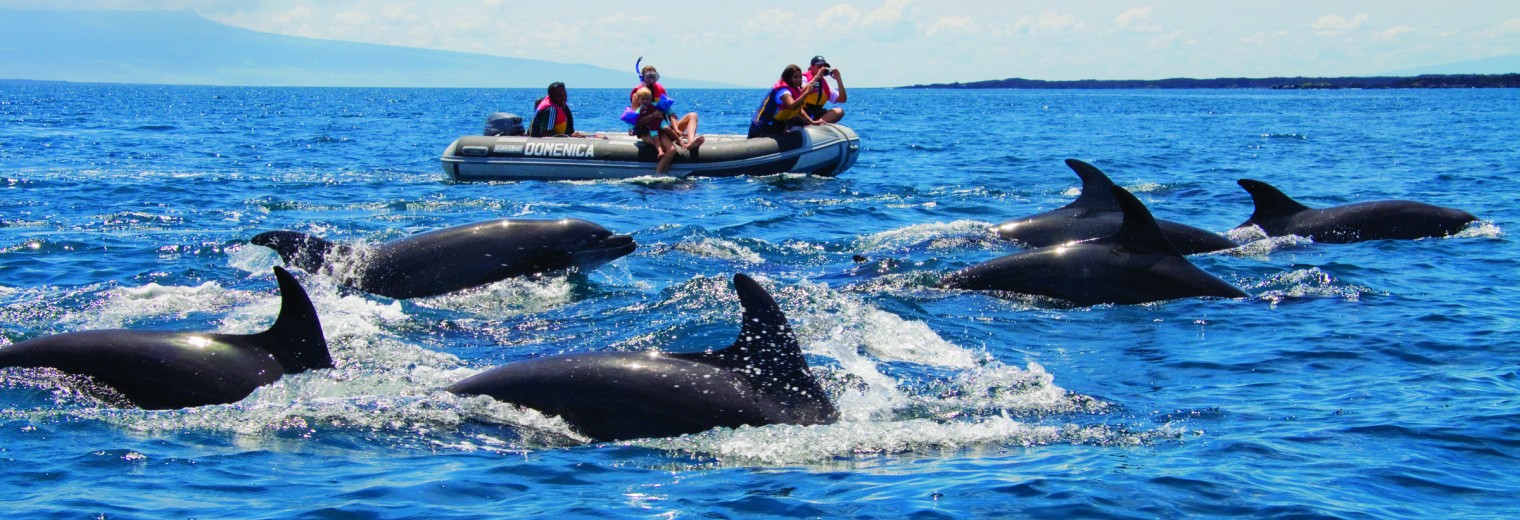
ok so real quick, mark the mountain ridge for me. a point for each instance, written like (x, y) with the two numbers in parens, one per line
(183, 47)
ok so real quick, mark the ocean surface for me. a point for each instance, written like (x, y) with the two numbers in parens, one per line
(1369, 380)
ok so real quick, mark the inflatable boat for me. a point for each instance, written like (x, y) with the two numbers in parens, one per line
(825, 150)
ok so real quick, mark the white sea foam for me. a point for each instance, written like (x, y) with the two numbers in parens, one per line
(719, 248)
(510, 297)
(125, 305)
(841, 324)
(1307, 283)
(1481, 229)
(940, 235)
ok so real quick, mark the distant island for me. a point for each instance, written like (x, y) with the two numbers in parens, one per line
(1298, 83)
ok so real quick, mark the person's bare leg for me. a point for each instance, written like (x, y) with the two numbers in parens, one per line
(833, 115)
(688, 125)
(667, 155)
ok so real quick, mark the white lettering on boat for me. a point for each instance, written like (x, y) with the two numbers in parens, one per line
(559, 150)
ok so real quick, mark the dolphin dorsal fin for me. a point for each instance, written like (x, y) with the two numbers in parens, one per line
(1095, 184)
(1139, 230)
(1270, 202)
(296, 338)
(766, 351)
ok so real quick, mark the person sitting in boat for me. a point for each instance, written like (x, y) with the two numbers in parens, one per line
(552, 117)
(813, 103)
(782, 108)
(648, 125)
(686, 125)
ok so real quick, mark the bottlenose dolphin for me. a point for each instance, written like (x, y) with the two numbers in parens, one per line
(1278, 215)
(1096, 214)
(160, 370)
(761, 379)
(456, 258)
(1135, 265)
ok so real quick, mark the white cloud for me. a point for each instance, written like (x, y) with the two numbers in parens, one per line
(953, 26)
(841, 17)
(1047, 23)
(1165, 41)
(1262, 39)
(1393, 32)
(889, 13)
(1335, 25)
(1137, 19)
(888, 23)
(1510, 26)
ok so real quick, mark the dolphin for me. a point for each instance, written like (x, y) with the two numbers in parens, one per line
(456, 258)
(1137, 264)
(1096, 214)
(1278, 215)
(161, 370)
(761, 379)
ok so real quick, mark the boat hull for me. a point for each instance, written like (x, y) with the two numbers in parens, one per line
(824, 150)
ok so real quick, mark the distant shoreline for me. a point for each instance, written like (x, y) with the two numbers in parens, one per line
(1278, 83)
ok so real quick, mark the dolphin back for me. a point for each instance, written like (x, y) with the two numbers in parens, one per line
(163, 369)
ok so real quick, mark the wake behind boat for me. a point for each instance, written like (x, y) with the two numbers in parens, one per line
(825, 150)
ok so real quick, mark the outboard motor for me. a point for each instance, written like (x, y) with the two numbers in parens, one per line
(503, 123)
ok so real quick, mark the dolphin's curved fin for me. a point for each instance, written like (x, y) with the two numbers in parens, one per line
(1139, 230)
(1270, 202)
(295, 339)
(768, 355)
(1095, 184)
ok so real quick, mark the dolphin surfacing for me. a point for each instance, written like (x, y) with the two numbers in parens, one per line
(1095, 214)
(1278, 215)
(456, 258)
(1137, 264)
(163, 370)
(761, 379)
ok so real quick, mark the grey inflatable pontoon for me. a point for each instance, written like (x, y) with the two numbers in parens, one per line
(825, 150)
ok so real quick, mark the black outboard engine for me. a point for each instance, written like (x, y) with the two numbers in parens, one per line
(503, 123)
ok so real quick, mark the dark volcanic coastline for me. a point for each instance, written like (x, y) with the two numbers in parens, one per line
(1281, 83)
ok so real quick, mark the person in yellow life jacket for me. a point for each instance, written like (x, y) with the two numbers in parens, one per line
(552, 116)
(782, 108)
(813, 103)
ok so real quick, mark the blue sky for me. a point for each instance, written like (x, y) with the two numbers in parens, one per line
(899, 42)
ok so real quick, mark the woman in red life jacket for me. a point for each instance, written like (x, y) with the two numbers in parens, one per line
(782, 108)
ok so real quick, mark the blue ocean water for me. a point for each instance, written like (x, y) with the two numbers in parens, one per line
(1368, 380)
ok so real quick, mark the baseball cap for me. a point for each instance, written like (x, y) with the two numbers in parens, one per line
(818, 60)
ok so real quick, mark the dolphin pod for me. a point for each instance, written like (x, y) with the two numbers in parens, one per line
(1136, 264)
(456, 258)
(1278, 215)
(1096, 213)
(163, 370)
(761, 379)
